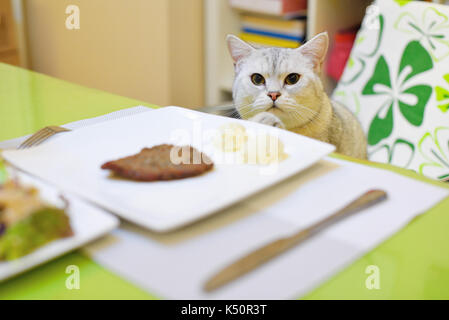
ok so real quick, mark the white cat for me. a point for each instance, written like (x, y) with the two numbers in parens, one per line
(282, 87)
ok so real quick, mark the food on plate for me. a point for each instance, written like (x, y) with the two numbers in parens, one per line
(263, 149)
(26, 222)
(161, 162)
(231, 137)
(250, 147)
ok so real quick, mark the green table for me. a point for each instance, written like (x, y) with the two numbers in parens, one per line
(414, 263)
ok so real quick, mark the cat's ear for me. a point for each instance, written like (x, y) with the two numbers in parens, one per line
(316, 49)
(238, 48)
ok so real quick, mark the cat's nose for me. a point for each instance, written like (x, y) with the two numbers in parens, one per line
(274, 95)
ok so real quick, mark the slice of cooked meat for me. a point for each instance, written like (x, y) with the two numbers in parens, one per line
(162, 162)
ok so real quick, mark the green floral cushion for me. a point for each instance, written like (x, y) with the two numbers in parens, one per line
(397, 83)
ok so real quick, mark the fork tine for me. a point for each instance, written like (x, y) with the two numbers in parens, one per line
(29, 143)
(31, 139)
(47, 134)
(41, 135)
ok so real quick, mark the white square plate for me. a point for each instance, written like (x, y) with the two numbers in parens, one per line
(72, 162)
(88, 223)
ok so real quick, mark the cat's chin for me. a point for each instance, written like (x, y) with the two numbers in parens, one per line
(284, 117)
(276, 111)
(289, 120)
(279, 112)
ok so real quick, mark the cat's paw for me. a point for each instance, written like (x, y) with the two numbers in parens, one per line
(268, 119)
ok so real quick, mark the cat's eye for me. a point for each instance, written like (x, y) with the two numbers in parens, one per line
(257, 79)
(292, 79)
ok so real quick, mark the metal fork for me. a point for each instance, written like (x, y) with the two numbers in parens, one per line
(40, 136)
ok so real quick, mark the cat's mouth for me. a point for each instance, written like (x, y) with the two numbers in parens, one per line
(274, 107)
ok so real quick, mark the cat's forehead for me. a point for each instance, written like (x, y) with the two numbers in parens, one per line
(275, 61)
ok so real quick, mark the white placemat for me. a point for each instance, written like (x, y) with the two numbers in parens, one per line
(176, 265)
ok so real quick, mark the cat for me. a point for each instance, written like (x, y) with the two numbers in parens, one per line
(281, 87)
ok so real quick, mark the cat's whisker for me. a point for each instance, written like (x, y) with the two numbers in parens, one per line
(293, 106)
(290, 108)
(224, 106)
(304, 117)
(235, 112)
(229, 110)
(298, 116)
(254, 109)
(254, 104)
(243, 114)
(317, 124)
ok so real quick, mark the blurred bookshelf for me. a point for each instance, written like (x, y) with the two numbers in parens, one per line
(12, 33)
(250, 19)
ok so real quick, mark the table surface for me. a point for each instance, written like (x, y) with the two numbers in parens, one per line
(413, 264)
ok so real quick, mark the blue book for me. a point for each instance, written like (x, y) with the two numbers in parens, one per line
(273, 34)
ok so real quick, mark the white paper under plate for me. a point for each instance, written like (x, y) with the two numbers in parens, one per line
(72, 161)
(88, 223)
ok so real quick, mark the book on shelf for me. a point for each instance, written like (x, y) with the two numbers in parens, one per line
(266, 41)
(293, 30)
(271, 31)
(272, 7)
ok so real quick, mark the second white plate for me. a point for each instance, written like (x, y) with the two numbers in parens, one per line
(88, 223)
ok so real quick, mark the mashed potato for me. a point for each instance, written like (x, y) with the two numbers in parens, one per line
(231, 137)
(262, 149)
